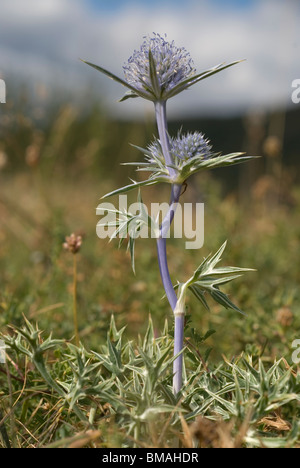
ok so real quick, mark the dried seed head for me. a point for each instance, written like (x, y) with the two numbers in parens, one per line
(285, 316)
(73, 243)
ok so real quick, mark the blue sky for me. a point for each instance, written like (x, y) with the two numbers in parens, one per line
(41, 43)
(113, 5)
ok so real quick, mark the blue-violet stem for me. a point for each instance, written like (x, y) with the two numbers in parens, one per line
(168, 286)
(162, 247)
(161, 120)
(178, 347)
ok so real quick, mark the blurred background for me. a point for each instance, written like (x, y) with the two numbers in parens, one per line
(63, 135)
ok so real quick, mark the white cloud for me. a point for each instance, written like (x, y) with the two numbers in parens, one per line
(14, 11)
(42, 41)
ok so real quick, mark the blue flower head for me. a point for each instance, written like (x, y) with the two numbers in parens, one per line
(184, 147)
(159, 70)
(190, 146)
(158, 67)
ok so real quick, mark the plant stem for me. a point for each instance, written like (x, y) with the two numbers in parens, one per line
(12, 414)
(162, 247)
(161, 119)
(75, 316)
(178, 347)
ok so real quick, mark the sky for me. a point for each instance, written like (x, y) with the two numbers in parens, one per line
(41, 42)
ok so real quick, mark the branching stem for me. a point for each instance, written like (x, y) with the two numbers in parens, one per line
(161, 119)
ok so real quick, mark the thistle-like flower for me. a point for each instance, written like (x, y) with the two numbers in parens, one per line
(191, 153)
(158, 67)
(159, 70)
(185, 147)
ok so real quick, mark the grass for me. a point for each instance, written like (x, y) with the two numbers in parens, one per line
(241, 387)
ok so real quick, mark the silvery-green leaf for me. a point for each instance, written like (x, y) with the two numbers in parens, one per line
(199, 295)
(117, 79)
(224, 300)
(201, 76)
(128, 95)
(130, 187)
(208, 264)
(210, 282)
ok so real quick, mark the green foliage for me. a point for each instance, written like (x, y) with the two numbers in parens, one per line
(130, 386)
(35, 276)
(207, 279)
(159, 170)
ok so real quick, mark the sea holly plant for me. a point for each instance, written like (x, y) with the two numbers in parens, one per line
(158, 71)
